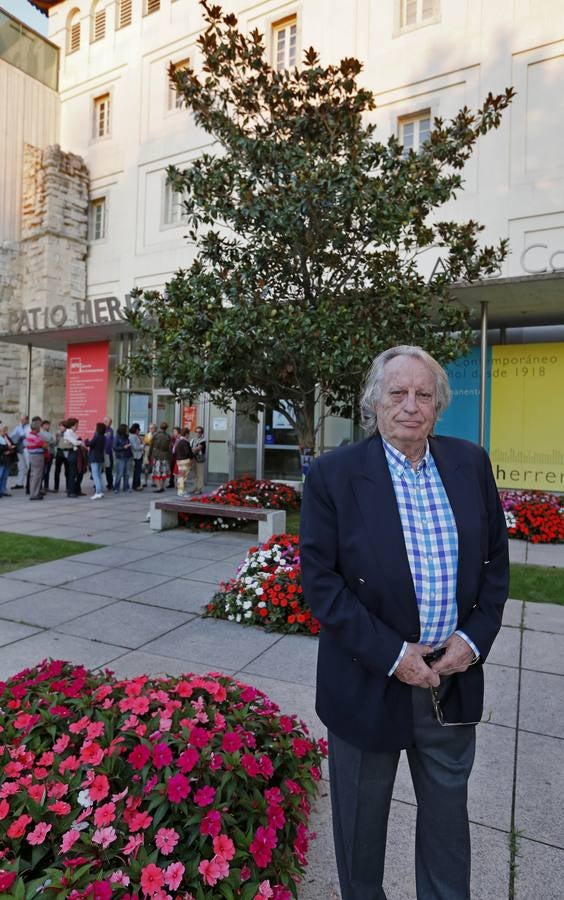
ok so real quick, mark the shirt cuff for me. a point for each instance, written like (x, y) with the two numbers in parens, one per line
(470, 643)
(399, 659)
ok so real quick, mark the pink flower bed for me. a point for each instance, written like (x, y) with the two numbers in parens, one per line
(192, 787)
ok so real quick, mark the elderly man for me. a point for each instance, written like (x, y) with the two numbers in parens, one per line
(405, 564)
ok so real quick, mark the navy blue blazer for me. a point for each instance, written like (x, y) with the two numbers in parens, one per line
(357, 582)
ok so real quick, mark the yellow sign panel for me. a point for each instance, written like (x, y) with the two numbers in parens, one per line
(527, 416)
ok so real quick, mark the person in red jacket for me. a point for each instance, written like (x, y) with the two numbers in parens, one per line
(36, 448)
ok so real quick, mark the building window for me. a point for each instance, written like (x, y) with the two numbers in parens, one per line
(414, 131)
(175, 97)
(151, 6)
(285, 43)
(73, 32)
(123, 13)
(98, 27)
(102, 116)
(418, 12)
(97, 219)
(173, 212)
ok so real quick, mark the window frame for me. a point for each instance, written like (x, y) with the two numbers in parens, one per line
(96, 136)
(277, 26)
(119, 7)
(147, 3)
(94, 204)
(73, 22)
(400, 27)
(175, 101)
(415, 118)
(168, 205)
(98, 14)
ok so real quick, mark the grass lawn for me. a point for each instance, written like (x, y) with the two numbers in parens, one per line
(20, 550)
(541, 584)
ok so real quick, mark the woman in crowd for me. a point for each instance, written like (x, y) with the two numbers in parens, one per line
(173, 470)
(72, 446)
(184, 457)
(61, 461)
(160, 456)
(7, 457)
(122, 456)
(147, 441)
(96, 447)
(137, 454)
(198, 445)
(51, 441)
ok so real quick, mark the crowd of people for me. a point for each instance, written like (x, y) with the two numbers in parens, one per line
(123, 460)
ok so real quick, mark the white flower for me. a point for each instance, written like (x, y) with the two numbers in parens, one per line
(258, 592)
(84, 798)
(261, 604)
(238, 617)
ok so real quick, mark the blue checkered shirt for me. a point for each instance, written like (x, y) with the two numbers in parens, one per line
(431, 540)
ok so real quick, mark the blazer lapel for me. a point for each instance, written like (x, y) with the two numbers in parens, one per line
(382, 529)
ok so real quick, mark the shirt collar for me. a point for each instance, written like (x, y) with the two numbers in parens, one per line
(398, 462)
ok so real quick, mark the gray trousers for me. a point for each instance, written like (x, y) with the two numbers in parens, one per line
(361, 792)
(36, 467)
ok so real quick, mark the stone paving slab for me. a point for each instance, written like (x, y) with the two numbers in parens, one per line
(543, 652)
(501, 690)
(11, 588)
(545, 555)
(109, 557)
(545, 617)
(214, 573)
(491, 782)
(219, 644)
(542, 703)
(540, 788)
(517, 551)
(540, 871)
(173, 563)
(13, 631)
(294, 659)
(51, 607)
(45, 644)
(512, 613)
(114, 583)
(57, 572)
(211, 551)
(505, 651)
(128, 624)
(180, 593)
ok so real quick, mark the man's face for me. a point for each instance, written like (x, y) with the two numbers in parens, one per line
(406, 410)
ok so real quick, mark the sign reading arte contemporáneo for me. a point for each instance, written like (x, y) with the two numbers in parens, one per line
(524, 412)
(87, 384)
(98, 311)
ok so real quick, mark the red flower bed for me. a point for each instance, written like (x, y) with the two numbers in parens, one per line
(189, 788)
(534, 516)
(267, 590)
(242, 492)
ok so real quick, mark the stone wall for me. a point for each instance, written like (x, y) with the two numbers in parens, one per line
(46, 269)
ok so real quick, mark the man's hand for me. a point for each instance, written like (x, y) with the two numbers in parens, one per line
(412, 670)
(457, 658)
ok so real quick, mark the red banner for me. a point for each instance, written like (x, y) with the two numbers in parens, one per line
(189, 417)
(87, 384)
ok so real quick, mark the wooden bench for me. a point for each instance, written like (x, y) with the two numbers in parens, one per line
(164, 515)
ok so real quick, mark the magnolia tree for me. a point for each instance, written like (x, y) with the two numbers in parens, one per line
(307, 233)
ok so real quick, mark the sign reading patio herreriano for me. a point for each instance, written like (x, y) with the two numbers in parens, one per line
(98, 311)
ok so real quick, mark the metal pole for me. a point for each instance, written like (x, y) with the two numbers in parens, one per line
(483, 369)
(28, 394)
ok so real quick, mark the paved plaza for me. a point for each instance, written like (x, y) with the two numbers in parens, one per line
(135, 606)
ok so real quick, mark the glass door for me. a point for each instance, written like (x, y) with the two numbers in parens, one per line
(165, 409)
(281, 451)
(246, 457)
(219, 440)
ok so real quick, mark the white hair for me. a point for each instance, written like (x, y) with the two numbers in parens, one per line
(372, 391)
